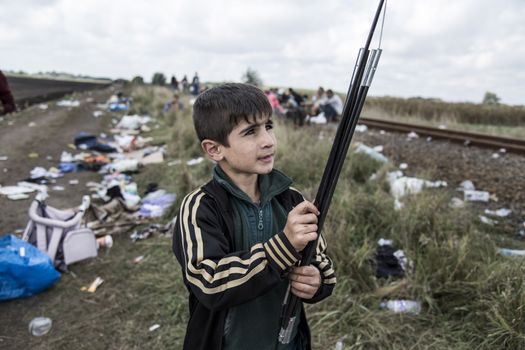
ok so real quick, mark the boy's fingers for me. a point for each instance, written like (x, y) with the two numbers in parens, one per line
(305, 219)
(306, 207)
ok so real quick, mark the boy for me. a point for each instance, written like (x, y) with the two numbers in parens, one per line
(239, 237)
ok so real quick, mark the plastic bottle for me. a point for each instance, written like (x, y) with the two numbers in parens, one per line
(511, 252)
(402, 306)
(40, 326)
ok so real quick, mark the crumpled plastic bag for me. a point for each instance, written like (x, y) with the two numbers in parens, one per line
(25, 270)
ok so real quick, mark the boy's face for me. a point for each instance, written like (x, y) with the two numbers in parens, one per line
(252, 148)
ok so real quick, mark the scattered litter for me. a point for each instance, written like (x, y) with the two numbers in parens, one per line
(132, 122)
(467, 142)
(49, 158)
(476, 196)
(32, 124)
(378, 148)
(495, 155)
(39, 172)
(361, 128)
(175, 162)
(466, 185)
(14, 190)
(511, 252)
(43, 106)
(73, 182)
(33, 155)
(503, 212)
(156, 203)
(429, 138)
(68, 103)
(103, 135)
(122, 165)
(195, 161)
(402, 306)
(58, 188)
(502, 150)
(84, 140)
(153, 158)
(340, 344)
(442, 127)
(403, 166)
(40, 326)
(138, 259)
(389, 262)
(412, 135)
(105, 242)
(373, 153)
(487, 221)
(398, 205)
(3, 158)
(154, 327)
(17, 197)
(382, 242)
(382, 132)
(97, 114)
(401, 185)
(93, 286)
(456, 203)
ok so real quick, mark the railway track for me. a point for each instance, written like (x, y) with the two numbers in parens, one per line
(467, 138)
(28, 91)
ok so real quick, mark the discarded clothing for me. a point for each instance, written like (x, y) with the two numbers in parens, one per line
(387, 263)
(156, 203)
(84, 140)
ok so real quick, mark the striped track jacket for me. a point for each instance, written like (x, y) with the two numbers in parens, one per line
(217, 277)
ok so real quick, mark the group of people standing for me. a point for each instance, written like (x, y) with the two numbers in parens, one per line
(185, 86)
(323, 107)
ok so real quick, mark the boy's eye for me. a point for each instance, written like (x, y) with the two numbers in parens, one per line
(249, 131)
(269, 126)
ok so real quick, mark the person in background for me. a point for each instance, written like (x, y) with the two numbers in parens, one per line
(195, 85)
(8, 102)
(175, 104)
(332, 107)
(184, 84)
(278, 110)
(174, 83)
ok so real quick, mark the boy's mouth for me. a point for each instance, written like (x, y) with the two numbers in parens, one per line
(266, 159)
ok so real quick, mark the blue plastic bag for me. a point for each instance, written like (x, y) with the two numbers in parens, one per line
(24, 270)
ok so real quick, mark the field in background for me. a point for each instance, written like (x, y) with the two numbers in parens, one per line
(472, 298)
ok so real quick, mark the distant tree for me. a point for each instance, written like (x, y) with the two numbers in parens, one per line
(158, 79)
(251, 77)
(138, 80)
(490, 98)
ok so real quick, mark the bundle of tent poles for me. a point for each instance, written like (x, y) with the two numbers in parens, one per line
(363, 73)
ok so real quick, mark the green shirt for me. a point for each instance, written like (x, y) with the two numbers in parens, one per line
(255, 325)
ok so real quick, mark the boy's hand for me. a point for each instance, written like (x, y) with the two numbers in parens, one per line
(305, 281)
(301, 225)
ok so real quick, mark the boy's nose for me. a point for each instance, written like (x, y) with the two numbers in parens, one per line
(267, 139)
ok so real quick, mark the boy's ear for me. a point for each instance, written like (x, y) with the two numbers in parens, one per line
(212, 149)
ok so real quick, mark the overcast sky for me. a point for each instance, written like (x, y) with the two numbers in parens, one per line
(450, 49)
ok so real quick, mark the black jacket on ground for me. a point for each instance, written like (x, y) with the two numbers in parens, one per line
(217, 277)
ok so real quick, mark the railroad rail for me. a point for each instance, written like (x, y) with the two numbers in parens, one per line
(28, 91)
(467, 138)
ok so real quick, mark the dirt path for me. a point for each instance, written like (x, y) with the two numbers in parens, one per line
(51, 132)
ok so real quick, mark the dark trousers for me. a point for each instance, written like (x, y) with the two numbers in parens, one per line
(329, 112)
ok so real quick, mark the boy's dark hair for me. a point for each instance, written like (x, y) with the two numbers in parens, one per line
(218, 110)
